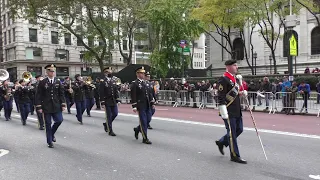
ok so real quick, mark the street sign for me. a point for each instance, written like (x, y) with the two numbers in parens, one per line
(186, 49)
(183, 43)
(291, 78)
(293, 46)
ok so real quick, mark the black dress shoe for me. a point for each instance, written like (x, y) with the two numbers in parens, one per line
(7, 119)
(81, 122)
(136, 133)
(149, 127)
(50, 145)
(220, 146)
(105, 127)
(238, 160)
(41, 128)
(88, 115)
(146, 141)
(112, 133)
(54, 139)
(69, 112)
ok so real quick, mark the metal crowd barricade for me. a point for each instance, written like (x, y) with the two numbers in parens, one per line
(189, 98)
(297, 101)
(167, 97)
(209, 99)
(263, 100)
(125, 96)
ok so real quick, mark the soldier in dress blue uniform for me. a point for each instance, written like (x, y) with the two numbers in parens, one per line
(153, 93)
(79, 96)
(51, 102)
(23, 92)
(15, 95)
(31, 96)
(68, 93)
(97, 93)
(142, 103)
(89, 94)
(39, 115)
(109, 98)
(230, 110)
(7, 97)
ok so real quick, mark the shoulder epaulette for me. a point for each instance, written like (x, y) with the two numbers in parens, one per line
(101, 80)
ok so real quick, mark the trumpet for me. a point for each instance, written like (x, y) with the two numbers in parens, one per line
(117, 80)
(88, 82)
(26, 76)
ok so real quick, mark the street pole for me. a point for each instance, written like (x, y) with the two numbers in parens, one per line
(255, 66)
(182, 62)
(290, 23)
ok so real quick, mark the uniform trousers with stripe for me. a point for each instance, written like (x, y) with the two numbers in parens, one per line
(144, 118)
(51, 130)
(111, 114)
(236, 125)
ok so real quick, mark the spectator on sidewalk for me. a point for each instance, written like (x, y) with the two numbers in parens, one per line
(292, 93)
(304, 90)
(266, 88)
(318, 91)
(252, 89)
(286, 84)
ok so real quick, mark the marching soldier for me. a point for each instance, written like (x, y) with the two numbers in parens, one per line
(142, 102)
(15, 95)
(39, 115)
(89, 94)
(31, 96)
(23, 92)
(7, 97)
(79, 96)
(51, 102)
(153, 94)
(97, 93)
(230, 111)
(68, 93)
(109, 97)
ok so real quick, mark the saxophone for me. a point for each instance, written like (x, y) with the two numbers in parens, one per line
(8, 93)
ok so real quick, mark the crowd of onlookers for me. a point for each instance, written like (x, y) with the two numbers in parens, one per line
(263, 89)
(315, 70)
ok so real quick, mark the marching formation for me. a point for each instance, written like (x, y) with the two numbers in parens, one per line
(50, 97)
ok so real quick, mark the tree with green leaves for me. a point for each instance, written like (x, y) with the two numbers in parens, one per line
(312, 6)
(169, 23)
(88, 21)
(223, 17)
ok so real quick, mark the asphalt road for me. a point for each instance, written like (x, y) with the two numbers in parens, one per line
(183, 150)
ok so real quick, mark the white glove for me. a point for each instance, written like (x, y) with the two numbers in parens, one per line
(223, 112)
(245, 92)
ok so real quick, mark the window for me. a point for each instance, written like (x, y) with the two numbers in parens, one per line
(238, 49)
(101, 43)
(33, 53)
(9, 36)
(14, 35)
(79, 42)
(11, 54)
(315, 41)
(5, 38)
(9, 17)
(34, 70)
(62, 71)
(125, 45)
(62, 55)
(90, 41)
(67, 38)
(286, 38)
(4, 21)
(54, 37)
(33, 35)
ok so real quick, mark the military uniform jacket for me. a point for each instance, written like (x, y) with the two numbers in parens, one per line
(32, 93)
(89, 92)
(23, 94)
(78, 91)
(109, 94)
(66, 87)
(3, 92)
(225, 85)
(141, 96)
(97, 90)
(152, 92)
(50, 97)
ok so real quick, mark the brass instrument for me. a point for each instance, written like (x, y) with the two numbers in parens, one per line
(88, 82)
(26, 76)
(70, 87)
(117, 80)
(4, 75)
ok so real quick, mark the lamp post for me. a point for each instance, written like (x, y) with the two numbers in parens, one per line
(270, 59)
(255, 55)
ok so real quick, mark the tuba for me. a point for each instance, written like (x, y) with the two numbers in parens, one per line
(26, 76)
(4, 75)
